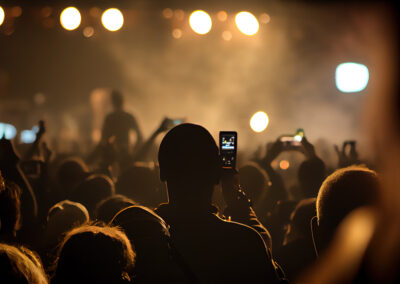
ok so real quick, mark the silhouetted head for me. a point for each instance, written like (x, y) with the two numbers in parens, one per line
(311, 174)
(189, 162)
(141, 183)
(62, 217)
(93, 254)
(20, 265)
(71, 172)
(253, 179)
(117, 99)
(10, 209)
(92, 190)
(342, 192)
(300, 219)
(110, 206)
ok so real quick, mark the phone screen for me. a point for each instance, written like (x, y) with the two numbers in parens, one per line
(228, 148)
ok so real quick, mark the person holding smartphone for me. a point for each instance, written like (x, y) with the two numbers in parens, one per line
(216, 250)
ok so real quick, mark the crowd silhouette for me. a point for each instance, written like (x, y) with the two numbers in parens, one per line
(114, 217)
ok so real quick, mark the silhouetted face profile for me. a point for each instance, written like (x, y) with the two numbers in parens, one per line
(189, 157)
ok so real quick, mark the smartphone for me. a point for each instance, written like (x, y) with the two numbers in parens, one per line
(292, 141)
(228, 148)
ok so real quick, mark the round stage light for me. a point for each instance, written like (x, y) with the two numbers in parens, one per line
(2, 15)
(200, 22)
(7, 131)
(247, 23)
(70, 18)
(284, 165)
(259, 121)
(351, 77)
(112, 19)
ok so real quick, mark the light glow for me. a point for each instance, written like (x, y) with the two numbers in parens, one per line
(284, 165)
(7, 131)
(247, 23)
(70, 18)
(200, 22)
(112, 19)
(351, 77)
(2, 15)
(259, 121)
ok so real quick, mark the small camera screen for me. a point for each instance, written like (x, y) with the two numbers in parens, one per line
(228, 142)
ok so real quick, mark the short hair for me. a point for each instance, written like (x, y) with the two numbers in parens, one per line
(110, 206)
(62, 217)
(92, 190)
(94, 254)
(117, 99)
(343, 191)
(10, 208)
(188, 152)
(20, 265)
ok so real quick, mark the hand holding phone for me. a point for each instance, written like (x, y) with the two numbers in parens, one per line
(228, 148)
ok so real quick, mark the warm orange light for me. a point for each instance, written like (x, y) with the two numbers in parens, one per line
(284, 165)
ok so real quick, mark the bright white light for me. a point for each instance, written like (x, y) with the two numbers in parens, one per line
(2, 15)
(200, 22)
(297, 138)
(29, 136)
(351, 77)
(70, 18)
(247, 23)
(7, 131)
(259, 121)
(112, 19)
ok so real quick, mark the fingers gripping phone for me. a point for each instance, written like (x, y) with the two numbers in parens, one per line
(228, 148)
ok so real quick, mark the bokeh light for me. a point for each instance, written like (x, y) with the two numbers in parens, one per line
(247, 23)
(351, 77)
(284, 165)
(112, 19)
(7, 131)
(2, 15)
(227, 35)
(179, 14)
(265, 18)
(259, 121)
(167, 13)
(177, 33)
(200, 22)
(70, 18)
(88, 32)
(222, 16)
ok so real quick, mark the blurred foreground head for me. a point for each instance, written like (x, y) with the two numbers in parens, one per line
(189, 162)
(342, 192)
(20, 265)
(94, 254)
